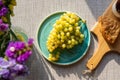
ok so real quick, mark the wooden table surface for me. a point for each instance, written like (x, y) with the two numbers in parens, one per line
(29, 14)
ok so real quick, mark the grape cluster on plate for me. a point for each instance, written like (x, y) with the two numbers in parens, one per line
(64, 35)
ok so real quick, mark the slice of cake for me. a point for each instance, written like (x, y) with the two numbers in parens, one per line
(109, 29)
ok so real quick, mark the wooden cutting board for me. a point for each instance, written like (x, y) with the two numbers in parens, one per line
(103, 46)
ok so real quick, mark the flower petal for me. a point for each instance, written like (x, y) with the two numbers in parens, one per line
(4, 73)
(4, 63)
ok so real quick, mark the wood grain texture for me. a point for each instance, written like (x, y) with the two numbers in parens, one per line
(103, 46)
(29, 14)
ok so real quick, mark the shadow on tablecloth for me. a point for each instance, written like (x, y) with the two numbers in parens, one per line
(97, 7)
(76, 69)
(38, 68)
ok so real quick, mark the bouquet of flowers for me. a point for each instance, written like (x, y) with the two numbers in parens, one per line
(14, 51)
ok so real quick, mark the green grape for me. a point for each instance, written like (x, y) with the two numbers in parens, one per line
(63, 46)
(73, 16)
(64, 35)
(62, 40)
(77, 31)
(72, 37)
(62, 17)
(70, 29)
(58, 55)
(66, 24)
(73, 41)
(58, 22)
(82, 36)
(76, 42)
(60, 27)
(80, 40)
(72, 21)
(70, 46)
(76, 24)
(77, 28)
(58, 36)
(69, 41)
(63, 23)
(65, 29)
(68, 34)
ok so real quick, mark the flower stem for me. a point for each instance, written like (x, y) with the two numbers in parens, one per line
(13, 34)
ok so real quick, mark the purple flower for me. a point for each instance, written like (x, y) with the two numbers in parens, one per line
(3, 63)
(30, 42)
(22, 58)
(3, 11)
(1, 21)
(19, 45)
(13, 47)
(10, 69)
(3, 26)
(4, 73)
(10, 54)
(12, 62)
(18, 67)
(19, 50)
(18, 70)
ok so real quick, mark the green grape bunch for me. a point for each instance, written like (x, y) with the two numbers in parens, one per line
(64, 35)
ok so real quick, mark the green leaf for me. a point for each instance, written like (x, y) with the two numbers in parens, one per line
(13, 34)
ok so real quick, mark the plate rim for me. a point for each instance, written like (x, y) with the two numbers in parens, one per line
(42, 54)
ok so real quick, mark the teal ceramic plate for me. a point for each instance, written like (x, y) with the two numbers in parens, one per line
(67, 57)
(24, 36)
